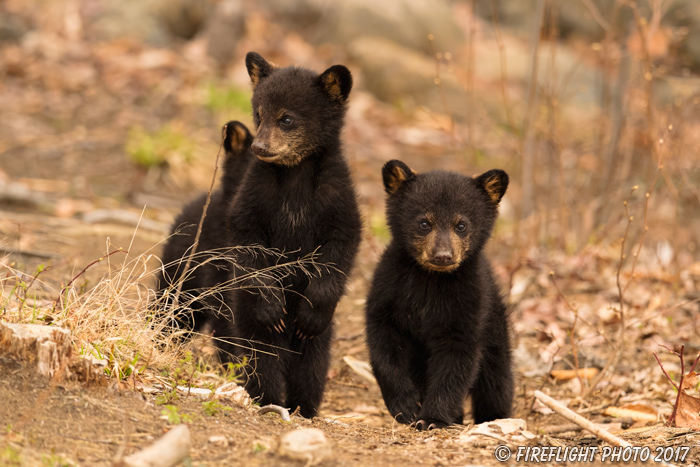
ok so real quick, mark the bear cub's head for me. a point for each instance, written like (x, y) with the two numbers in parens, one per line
(441, 218)
(297, 113)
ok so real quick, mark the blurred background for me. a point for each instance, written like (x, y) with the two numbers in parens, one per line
(110, 106)
(110, 103)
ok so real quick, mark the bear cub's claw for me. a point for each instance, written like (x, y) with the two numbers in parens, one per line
(430, 424)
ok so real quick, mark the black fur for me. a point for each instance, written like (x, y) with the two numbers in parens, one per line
(297, 197)
(202, 302)
(436, 335)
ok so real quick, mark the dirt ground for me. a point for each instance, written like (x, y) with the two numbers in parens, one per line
(67, 423)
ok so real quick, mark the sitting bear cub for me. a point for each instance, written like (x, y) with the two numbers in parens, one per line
(437, 328)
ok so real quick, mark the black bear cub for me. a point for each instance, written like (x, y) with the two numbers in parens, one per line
(437, 328)
(297, 197)
(201, 294)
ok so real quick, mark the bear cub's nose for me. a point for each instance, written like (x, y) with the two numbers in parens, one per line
(443, 258)
(259, 147)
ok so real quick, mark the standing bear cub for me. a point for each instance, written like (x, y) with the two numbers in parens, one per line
(297, 198)
(437, 328)
(202, 297)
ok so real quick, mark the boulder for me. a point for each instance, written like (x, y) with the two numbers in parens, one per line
(402, 76)
(224, 30)
(406, 22)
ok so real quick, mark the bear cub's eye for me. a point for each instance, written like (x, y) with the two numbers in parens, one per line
(424, 225)
(461, 227)
(286, 120)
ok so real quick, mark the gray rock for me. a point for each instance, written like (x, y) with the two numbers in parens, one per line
(406, 22)
(685, 14)
(12, 27)
(575, 18)
(116, 19)
(184, 19)
(400, 75)
(305, 444)
(405, 77)
(224, 30)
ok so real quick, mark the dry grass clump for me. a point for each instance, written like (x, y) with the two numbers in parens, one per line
(120, 318)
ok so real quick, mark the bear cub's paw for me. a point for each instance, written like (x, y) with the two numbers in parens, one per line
(431, 424)
(404, 408)
(271, 316)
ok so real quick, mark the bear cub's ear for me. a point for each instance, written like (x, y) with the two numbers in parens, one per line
(395, 174)
(494, 183)
(258, 68)
(237, 136)
(337, 82)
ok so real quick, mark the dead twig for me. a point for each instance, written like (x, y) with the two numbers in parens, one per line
(671, 420)
(574, 347)
(178, 290)
(612, 361)
(504, 65)
(528, 130)
(29, 286)
(572, 416)
(100, 259)
(284, 413)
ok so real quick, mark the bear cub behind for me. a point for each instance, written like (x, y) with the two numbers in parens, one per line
(201, 295)
(437, 327)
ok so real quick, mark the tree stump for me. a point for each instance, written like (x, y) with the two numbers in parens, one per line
(46, 347)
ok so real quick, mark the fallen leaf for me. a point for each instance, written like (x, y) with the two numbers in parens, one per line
(507, 430)
(688, 412)
(360, 367)
(566, 375)
(637, 412)
(367, 409)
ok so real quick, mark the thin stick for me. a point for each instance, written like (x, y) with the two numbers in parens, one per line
(527, 170)
(441, 90)
(201, 220)
(101, 258)
(26, 291)
(672, 418)
(570, 415)
(612, 361)
(470, 80)
(504, 65)
(664, 370)
(597, 16)
(572, 338)
(692, 369)
(679, 386)
(284, 413)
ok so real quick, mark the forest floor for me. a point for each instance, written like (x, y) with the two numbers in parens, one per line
(100, 146)
(71, 423)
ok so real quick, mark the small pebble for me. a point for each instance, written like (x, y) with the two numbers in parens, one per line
(306, 444)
